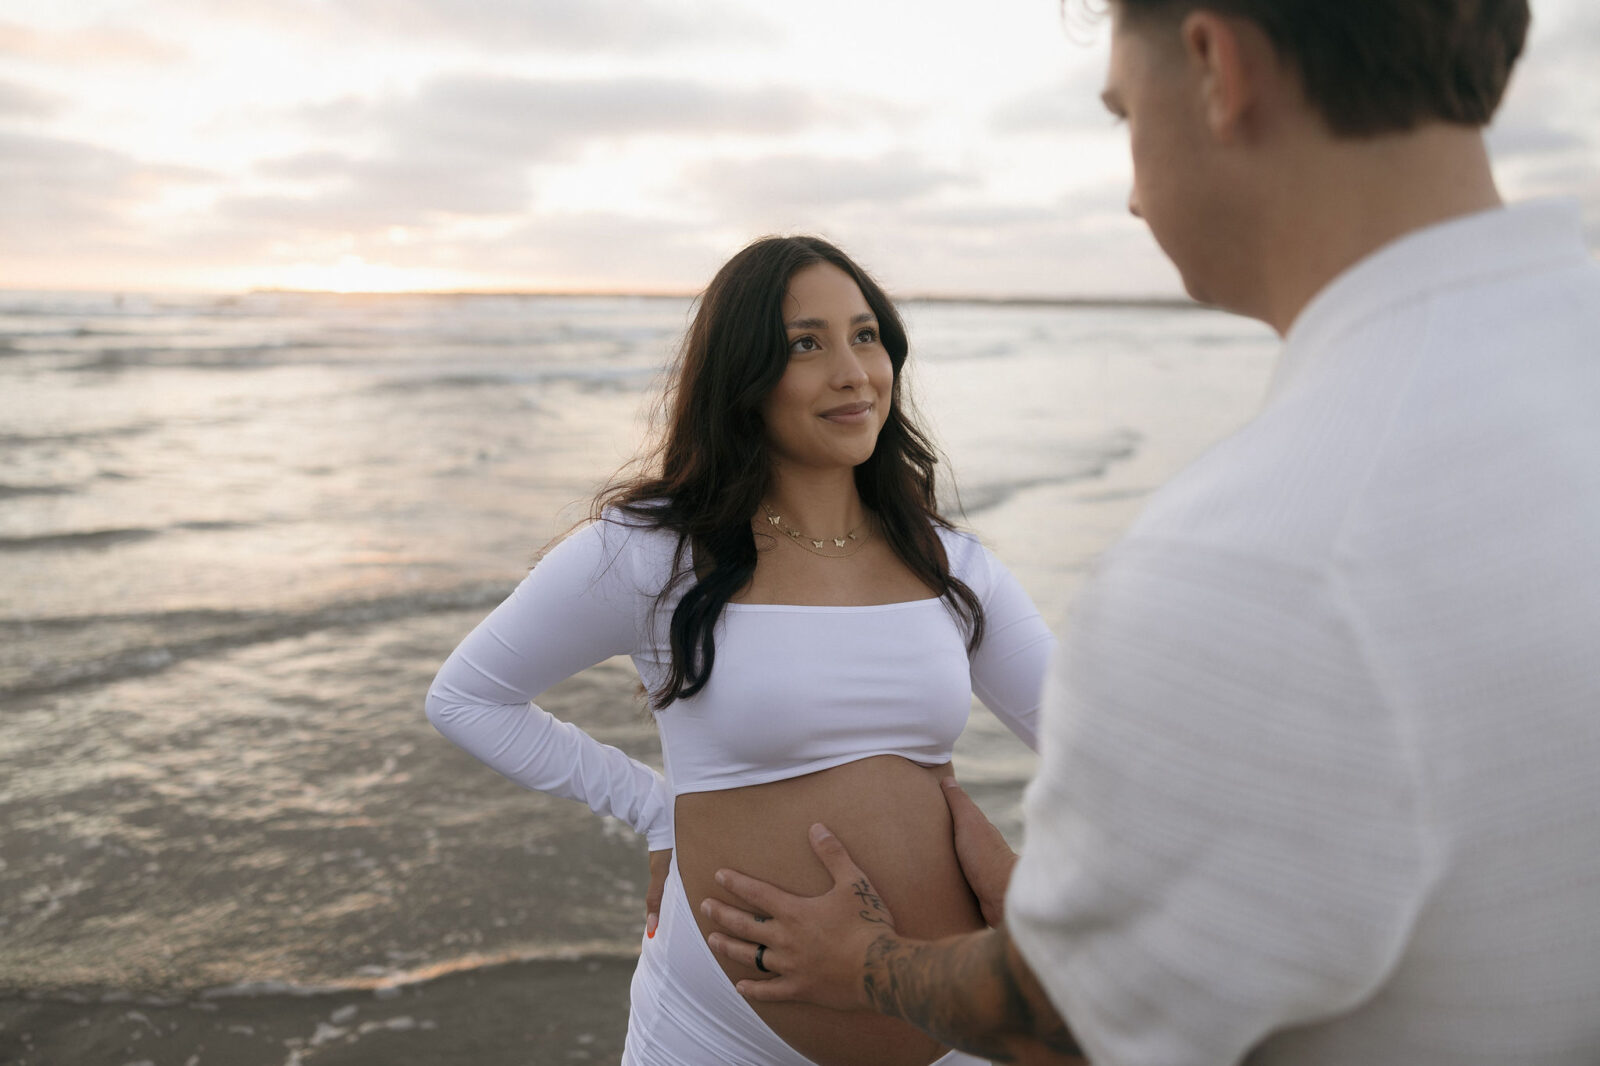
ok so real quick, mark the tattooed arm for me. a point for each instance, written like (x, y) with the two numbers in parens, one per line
(971, 992)
(840, 950)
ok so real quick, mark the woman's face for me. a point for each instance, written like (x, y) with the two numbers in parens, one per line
(833, 398)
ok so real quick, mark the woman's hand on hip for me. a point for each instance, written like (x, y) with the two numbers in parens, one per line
(660, 862)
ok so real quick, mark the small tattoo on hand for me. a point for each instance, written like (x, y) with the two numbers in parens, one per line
(863, 891)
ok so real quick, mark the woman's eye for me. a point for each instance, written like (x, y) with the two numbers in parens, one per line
(803, 344)
(866, 336)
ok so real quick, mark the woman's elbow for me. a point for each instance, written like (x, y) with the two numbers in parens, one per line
(442, 711)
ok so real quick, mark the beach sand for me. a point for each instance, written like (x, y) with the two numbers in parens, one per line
(527, 1014)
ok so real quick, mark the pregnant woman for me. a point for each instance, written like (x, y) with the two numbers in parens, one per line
(810, 632)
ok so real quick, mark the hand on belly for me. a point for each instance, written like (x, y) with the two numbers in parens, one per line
(891, 815)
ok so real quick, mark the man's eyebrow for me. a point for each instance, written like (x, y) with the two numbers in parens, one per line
(822, 323)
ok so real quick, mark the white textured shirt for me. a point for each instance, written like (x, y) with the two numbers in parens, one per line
(1320, 773)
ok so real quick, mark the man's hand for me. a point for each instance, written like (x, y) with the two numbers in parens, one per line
(816, 946)
(986, 859)
(840, 950)
(660, 862)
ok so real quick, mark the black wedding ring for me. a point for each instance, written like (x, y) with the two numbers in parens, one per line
(761, 950)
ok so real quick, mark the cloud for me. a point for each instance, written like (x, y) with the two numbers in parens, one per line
(508, 118)
(607, 250)
(1565, 36)
(1049, 256)
(590, 25)
(1568, 175)
(51, 187)
(306, 166)
(470, 145)
(1048, 250)
(1553, 84)
(1521, 135)
(20, 101)
(779, 185)
(353, 195)
(87, 45)
(1052, 110)
(632, 27)
(1544, 139)
(989, 217)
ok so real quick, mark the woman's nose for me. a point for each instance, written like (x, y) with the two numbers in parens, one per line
(848, 370)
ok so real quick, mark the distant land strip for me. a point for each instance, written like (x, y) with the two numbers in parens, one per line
(1163, 303)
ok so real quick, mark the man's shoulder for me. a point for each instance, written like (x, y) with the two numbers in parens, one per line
(1272, 489)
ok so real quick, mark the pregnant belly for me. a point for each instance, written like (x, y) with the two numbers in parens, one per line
(891, 815)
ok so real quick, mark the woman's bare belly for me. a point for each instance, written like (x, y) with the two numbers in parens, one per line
(890, 814)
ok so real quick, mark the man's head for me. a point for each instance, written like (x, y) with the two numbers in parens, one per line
(1379, 66)
(1277, 141)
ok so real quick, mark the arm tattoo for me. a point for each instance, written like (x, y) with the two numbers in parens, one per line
(963, 994)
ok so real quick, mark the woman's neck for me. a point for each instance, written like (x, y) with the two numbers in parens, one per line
(822, 503)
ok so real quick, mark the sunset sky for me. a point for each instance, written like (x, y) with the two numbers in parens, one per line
(610, 144)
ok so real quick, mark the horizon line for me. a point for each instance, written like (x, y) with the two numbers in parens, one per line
(1007, 300)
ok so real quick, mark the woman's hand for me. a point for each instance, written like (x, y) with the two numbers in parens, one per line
(660, 861)
(986, 859)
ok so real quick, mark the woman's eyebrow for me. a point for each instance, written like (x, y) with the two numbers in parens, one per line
(822, 323)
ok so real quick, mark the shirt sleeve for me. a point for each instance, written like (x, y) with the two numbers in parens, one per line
(1009, 667)
(1224, 838)
(579, 606)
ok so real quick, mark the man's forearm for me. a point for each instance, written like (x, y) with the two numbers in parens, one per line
(968, 993)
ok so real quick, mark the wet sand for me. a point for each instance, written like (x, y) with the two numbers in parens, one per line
(526, 1014)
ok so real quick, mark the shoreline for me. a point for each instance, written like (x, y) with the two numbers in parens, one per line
(509, 1013)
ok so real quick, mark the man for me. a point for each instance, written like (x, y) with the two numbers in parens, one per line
(1319, 768)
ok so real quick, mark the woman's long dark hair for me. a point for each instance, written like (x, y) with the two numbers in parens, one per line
(711, 469)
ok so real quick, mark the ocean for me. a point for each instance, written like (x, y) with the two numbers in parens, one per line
(239, 534)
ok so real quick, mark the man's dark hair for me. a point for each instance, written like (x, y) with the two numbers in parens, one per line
(1382, 66)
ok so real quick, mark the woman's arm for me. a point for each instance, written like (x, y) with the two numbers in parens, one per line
(1008, 669)
(579, 606)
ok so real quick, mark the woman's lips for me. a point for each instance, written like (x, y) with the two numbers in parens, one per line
(848, 413)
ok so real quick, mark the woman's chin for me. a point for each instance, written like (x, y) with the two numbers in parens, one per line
(847, 458)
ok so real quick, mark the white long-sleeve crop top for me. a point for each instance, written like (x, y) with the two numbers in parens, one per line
(794, 689)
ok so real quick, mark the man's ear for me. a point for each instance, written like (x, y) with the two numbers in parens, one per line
(1220, 56)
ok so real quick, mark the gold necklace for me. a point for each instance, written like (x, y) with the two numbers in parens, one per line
(855, 540)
